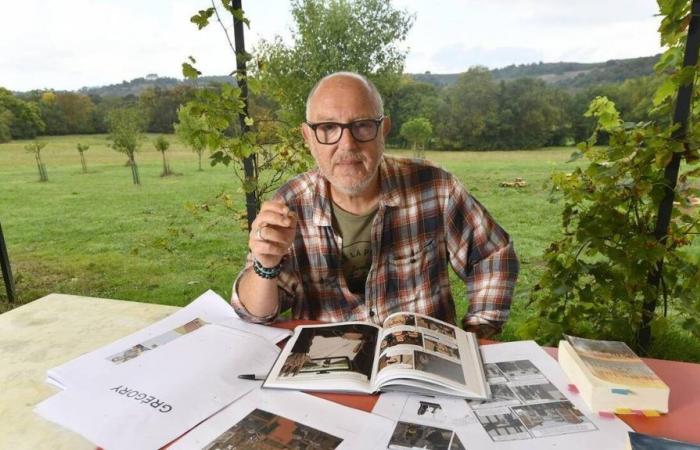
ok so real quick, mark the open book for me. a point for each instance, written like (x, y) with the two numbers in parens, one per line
(412, 352)
(611, 377)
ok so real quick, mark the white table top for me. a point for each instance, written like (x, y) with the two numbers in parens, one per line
(46, 333)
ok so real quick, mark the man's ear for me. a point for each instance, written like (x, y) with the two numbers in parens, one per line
(306, 133)
(386, 126)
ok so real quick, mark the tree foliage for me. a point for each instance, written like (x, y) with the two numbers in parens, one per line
(82, 148)
(20, 117)
(417, 131)
(596, 278)
(330, 36)
(35, 148)
(126, 127)
(162, 144)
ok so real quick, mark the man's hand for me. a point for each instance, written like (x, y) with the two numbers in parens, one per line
(272, 233)
(483, 330)
(294, 363)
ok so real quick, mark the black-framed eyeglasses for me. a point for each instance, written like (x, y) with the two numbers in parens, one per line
(363, 130)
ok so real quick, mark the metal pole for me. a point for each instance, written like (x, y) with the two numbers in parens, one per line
(6, 269)
(249, 166)
(681, 115)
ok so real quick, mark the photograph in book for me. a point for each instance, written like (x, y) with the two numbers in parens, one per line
(409, 436)
(435, 327)
(400, 320)
(501, 395)
(546, 419)
(403, 360)
(404, 337)
(155, 342)
(533, 392)
(261, 430)
(519, 370)
(440, 347)
(437, 365)
(350, 345)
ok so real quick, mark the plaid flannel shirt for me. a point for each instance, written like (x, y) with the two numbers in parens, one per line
(425, 219)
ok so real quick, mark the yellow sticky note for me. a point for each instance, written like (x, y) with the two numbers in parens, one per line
(651, 413)
(623, 411)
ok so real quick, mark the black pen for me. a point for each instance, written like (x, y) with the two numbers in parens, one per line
(252, 376)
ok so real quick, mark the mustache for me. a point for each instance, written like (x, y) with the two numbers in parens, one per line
(347, 158)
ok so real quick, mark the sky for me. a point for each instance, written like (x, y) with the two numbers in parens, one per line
(69, 44)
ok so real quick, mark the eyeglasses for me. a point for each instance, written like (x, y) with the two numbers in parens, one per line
(363, 130)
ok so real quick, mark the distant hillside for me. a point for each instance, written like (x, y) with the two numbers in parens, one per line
(567, 75)
(137, 85)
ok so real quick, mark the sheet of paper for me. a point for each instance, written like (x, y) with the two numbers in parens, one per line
(207, 308)
(162, 394)
(531, 409)
(287, 419)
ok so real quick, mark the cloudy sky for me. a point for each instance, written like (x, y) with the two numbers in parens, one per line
(69, 44)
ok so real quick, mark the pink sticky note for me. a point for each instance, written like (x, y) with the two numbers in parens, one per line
(573, 388)
(606, 415)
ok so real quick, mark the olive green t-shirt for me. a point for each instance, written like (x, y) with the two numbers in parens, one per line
(357, 250)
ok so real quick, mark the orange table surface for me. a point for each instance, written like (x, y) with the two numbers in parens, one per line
(682, 421)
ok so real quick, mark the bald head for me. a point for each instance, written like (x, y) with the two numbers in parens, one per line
(348, 79)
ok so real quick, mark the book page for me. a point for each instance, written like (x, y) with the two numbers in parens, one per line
(336, 357)
(420, 347)
(614, 362)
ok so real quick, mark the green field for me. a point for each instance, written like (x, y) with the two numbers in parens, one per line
(171, 238)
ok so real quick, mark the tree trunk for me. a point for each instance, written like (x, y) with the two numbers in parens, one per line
(82, 161)
(43, 176)
(166, 169)
(199, 154)
(134, 170)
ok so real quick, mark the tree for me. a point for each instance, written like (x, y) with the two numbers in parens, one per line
(6, 118)
(126, 127)
(35, 148)
(162, 144)
(597, 278)
(329, 36)
(25, 122)
(192, 131)
(82, 148)
(417, 131)
(411, 99)
(161, 105)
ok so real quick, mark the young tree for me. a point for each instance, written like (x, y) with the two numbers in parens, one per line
(162, 144)
(82, 148)
(333, 35)
(126, 127)
(35, 147)
(192, 130)
(417, 131)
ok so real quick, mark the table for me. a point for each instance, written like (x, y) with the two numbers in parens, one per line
(57, 328)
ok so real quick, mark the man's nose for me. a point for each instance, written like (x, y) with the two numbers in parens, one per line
(347, 140)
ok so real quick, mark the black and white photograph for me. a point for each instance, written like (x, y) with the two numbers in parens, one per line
(440, 347)
(408, 436)
(437, 365)
(502, 425)
(353, 342)
(519, 370)
(400, 320)
(435, 326)
(261, 430)
(493, 373)
(501, 395)
(537, 392)
(550, 419)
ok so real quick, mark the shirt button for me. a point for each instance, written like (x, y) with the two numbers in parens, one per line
(371, 313)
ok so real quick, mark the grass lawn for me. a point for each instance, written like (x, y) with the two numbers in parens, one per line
(171, 238)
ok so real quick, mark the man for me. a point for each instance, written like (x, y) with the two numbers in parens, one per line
(365, 235)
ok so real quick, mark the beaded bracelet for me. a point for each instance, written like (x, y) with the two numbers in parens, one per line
(266, 272)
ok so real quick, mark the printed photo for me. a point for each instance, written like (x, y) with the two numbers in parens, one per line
(493, 373)
(261, 430)
(440, 347)
(416, 436)
(537, 392)
(155, 342)
(502, 395)
(401, 338)
(549, 419)
(354, 343)
(400, 320)
(437, 327)
(399, 361)
(437, 365)
(502, 425)
(521, 369)
(325, 365)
